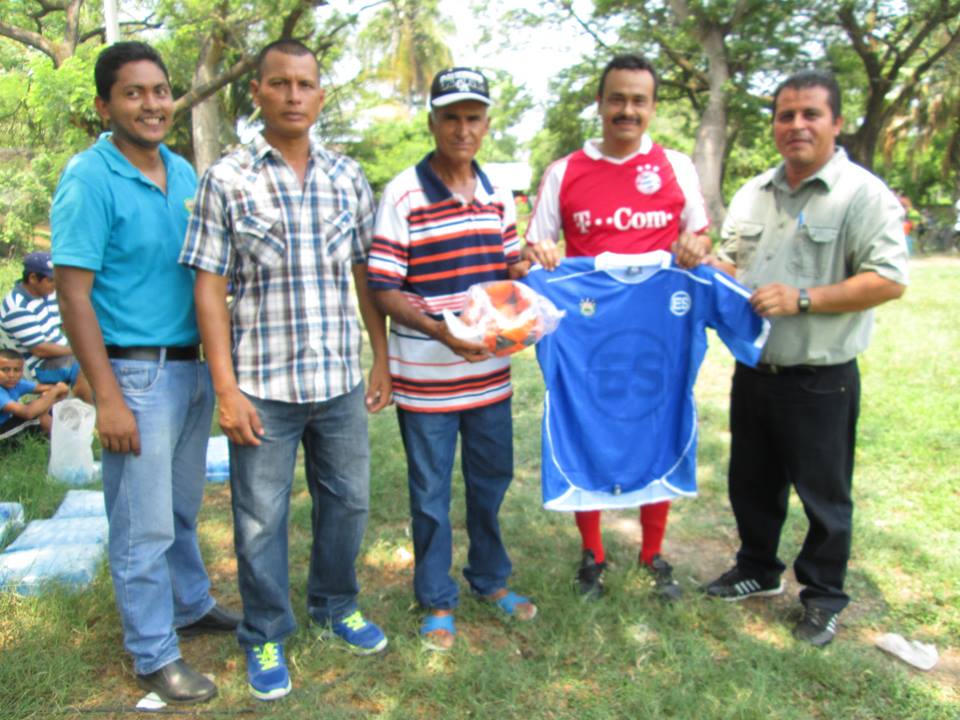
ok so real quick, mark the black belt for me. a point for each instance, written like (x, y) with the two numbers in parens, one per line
(153, 353)
(767, 369)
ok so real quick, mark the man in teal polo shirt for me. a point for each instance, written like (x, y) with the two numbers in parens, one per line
(118, 218)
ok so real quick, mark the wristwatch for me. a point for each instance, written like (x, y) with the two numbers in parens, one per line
(803, 302)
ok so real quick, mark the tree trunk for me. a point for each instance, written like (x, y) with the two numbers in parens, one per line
(711, 144)
(205, 116)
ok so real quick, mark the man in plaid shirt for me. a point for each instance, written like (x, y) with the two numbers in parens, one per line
(287, 222)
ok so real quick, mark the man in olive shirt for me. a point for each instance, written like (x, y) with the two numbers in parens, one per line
(820, 240)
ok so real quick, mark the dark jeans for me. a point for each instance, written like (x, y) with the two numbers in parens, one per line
(430, 441)
(796, 428)
(337, 463)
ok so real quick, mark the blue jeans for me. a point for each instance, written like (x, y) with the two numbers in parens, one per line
(152, 502)
(337, 460)
(430, 440)
(51, 374)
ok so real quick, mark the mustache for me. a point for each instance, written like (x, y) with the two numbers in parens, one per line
(626, 118)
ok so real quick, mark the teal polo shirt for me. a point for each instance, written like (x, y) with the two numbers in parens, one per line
(109, 218)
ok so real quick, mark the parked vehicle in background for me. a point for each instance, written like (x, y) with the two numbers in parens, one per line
(938, 231)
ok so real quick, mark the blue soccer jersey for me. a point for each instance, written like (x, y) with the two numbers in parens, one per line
(619, 419)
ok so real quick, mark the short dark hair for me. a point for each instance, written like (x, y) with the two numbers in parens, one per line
(116, 56)
(629, 62)
(10, 354)
(811, 79)
(287, 46)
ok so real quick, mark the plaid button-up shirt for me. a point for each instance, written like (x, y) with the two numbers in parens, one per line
(288, 252)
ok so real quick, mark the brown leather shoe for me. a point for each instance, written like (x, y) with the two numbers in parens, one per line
(218, 620)
(178, 684)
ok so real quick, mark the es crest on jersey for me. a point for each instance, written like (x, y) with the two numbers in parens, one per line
(588, 307)
(648, 179)
(680, 303)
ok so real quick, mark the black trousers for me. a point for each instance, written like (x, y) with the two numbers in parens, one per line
(797, 428)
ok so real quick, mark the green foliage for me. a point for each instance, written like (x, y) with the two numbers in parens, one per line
(405, 45)
(47, 112)
(896, 62)
(753, 47)
(10, 272)
(24, 193)
(60, 100)
(569, 121)
(390, 146)
(52, 116)
(763, 42)
(243, 27)
(510, 102)
(920, 154)
(760, 40)
(916, 169)
(23, 477)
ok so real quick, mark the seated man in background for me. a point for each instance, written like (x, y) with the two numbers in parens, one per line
(13, 412)
(30, 316)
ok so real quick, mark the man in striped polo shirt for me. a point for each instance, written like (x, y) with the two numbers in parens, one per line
(30, 317)
(442, 227)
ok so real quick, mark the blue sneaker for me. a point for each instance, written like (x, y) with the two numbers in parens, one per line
(363, 638)
(267, 673)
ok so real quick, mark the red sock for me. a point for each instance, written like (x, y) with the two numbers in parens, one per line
(653, 521)
(589, 525)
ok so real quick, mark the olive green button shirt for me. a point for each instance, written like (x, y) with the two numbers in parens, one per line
(837, 223)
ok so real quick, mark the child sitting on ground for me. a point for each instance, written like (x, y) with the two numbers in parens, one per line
(14, 413)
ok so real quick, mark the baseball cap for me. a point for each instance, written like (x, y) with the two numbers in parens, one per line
(39, 263)
(457, 84)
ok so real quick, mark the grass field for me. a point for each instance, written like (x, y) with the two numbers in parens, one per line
(626, 656)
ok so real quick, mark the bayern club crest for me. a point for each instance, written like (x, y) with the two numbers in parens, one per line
(648, 179)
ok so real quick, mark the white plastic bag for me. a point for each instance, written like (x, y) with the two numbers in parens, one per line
(71, 440)
(504, 315)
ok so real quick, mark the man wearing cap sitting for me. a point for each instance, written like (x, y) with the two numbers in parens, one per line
(30, 317)
(442, 227)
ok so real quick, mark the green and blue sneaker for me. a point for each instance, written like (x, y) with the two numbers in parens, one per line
(362, 637)
(267, 672)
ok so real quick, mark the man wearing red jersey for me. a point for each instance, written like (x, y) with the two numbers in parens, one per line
(622, 193)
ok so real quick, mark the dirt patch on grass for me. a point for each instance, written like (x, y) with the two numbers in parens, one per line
(947, 673)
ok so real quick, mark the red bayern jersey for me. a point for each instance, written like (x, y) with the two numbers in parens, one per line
(623, 205)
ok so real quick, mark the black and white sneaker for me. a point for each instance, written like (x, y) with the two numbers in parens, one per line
(589, 580)
(736, 585)
(662, 572)
(818, 626)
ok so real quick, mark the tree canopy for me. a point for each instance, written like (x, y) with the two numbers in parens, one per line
(720, 60)
(897, 62)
